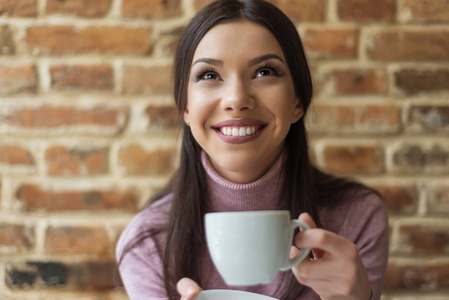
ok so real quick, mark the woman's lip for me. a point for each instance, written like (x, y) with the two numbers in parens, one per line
(240, 122)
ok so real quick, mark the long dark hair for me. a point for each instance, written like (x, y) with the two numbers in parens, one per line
(304, 188)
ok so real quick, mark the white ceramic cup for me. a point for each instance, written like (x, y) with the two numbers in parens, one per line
(250, 247)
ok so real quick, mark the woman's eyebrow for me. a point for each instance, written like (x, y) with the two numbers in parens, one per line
(260, 59)
(211, 61)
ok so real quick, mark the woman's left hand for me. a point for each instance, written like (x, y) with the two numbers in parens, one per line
(337, 271)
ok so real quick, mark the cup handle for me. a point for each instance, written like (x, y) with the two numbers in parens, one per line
(291, 262)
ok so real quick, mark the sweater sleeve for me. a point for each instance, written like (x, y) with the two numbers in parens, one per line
(366, 225)
(141, 267)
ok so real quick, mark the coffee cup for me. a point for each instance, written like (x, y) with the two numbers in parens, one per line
(251, 247)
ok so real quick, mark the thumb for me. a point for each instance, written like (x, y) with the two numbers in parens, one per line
(188, 288)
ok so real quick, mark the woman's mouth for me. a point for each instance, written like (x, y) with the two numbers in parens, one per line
(239, 131)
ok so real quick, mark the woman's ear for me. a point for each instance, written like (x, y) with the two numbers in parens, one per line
(186, 117)
(298, 112)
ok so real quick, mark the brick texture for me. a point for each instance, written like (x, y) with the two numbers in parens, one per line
(82, 77)
(13, 155)
(347, 119)
(303, 10)
(62, 161)
(91, 9)
(136, 160)
(18, 237)
(89, 131)
(15, 78)
(356, 82)
(366, 10)
(146, 80)
(412, 45)
(32, 197)
(331, 43)
(18, 8)
(77, 239)
(412, 82)
(357, 159)
(425, 11)
(66, 40)
(151, 8)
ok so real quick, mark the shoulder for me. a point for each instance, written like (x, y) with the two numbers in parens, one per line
(153, 217)
(361, 211)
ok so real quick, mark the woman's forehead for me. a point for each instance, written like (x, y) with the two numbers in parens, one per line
(237, 38)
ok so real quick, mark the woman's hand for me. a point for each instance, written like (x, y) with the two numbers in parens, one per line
(337, 271)
(187, 288)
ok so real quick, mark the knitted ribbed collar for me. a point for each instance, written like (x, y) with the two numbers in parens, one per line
(262, 194)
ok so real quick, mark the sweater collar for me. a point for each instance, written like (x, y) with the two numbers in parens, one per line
(261, 194)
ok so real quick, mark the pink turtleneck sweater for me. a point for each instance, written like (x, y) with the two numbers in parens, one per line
(363, 221)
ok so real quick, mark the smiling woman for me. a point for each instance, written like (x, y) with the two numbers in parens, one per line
(243, 86)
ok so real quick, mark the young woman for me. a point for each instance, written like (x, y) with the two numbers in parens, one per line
(243, 86)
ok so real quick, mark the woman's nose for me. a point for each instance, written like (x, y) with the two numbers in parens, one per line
(237, 96)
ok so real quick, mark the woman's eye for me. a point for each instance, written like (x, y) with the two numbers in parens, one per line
(264, 72)
(210, 76)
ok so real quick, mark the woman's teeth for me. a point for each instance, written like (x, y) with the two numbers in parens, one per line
(238, 131)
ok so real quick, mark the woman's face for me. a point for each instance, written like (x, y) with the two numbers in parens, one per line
(241, 100)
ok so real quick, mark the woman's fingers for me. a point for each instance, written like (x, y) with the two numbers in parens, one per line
(187, 288)
(305, 217)
(327, 241)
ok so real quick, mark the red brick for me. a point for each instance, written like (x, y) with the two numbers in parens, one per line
(146, 80)
(429, 117)
(421, 275)
(352, 119)
(57, 116)
(64, 40)
(62, 160)
(12, 154)
(406, 44)
(93, 77)
(425, 11)
(415, 158)
(33, 196)
(437, 199)
(366, 10)
(16, 236)
(16, 78)
(83, 8)
(414, 81)
(424, 239)
(357, 81)
(400, 199)
(303, 10)
(136, 160)
(18, 8)
(151, 8)
(6, 41)
(77, 239)
(355, 159)
(163, 116)
(331, 43)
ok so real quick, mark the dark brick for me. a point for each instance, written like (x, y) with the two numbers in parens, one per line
(412, 81)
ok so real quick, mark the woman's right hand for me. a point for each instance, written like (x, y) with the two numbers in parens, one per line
(188, 289)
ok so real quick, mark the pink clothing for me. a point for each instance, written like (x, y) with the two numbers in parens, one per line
(363, 221)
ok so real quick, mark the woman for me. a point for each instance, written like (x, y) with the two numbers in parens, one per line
(243, 86)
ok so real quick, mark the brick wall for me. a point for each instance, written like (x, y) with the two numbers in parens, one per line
(88, 130)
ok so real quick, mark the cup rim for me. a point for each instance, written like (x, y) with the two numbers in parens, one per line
(249, 213)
